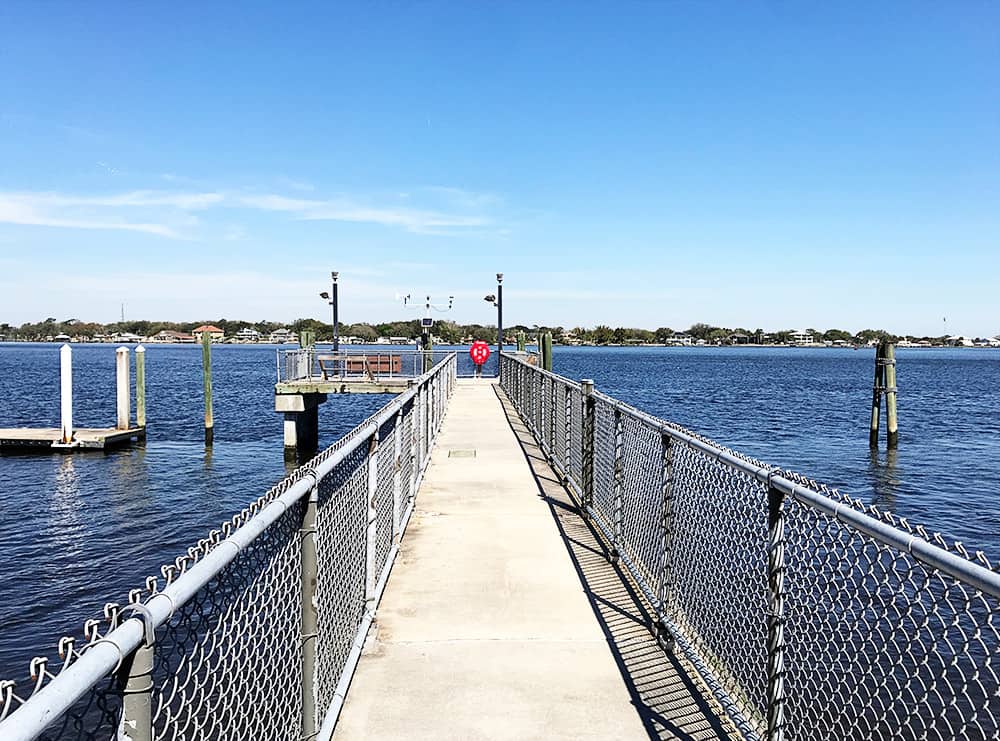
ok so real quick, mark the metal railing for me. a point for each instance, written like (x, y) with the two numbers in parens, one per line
(361, 364)
(355, 364)
(255, 631)
(807, 614)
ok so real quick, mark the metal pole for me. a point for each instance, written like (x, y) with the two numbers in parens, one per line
(140, 387)
(371, 531)
(619, 475)
(309, 615)
(397, 477)
(587, 392)
(336, 327)
(136, 674)
(663, 634)
(122, 373)
(206, 367)
(499, 320)
(775, 615)
(66, 392)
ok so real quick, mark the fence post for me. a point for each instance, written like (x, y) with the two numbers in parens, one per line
(397, 476)
(587, 442)
(568, 431)
(619, 472)
(414, 450)
(371, 530)
(309, 617)
(775, 614)
(552, 418)
(663, 634)
(136, 680)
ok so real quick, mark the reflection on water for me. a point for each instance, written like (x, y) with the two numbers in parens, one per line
(884, 478)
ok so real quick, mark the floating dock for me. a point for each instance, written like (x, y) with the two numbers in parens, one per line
(23, 439)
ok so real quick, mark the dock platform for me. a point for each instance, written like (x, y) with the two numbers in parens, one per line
(502, 620)
(23, 439)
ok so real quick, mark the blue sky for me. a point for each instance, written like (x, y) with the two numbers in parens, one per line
(655, 164)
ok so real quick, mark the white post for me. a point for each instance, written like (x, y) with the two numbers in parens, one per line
(123, 383)
(66, 391)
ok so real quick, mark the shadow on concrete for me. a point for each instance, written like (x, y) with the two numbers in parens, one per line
(670, 702)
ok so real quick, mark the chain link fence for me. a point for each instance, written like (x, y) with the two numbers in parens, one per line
(255, 631)
(807, 614)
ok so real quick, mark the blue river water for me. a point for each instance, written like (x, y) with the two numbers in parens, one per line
(77, 531)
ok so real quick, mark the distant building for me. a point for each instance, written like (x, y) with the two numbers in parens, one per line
(282, 336)
(126, 337)
(802, 337)
(680, 339)
(171, 335)
(247, 335)
(215, 334)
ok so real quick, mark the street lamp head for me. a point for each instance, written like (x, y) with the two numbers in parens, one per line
(499, 277)
(324, 294)
(334, 274)
(491, 298)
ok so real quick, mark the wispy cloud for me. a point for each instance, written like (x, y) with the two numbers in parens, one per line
(169, 213)
(345, 209)
(27, 210)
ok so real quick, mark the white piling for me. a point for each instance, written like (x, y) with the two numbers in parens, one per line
(122, 378)
(66, 392)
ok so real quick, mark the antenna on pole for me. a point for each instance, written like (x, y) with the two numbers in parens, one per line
(426, 341)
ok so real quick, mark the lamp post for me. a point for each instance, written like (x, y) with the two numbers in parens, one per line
(332, 300)
(499, 317)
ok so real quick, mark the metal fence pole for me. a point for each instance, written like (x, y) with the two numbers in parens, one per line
(309, 618)
(371, 531)
(552, 418)
(397, 476)
(587, 443)
(775, 615)
(568, 431)
(414, 450)
(136, 676)
(619, 472)
(663, 634)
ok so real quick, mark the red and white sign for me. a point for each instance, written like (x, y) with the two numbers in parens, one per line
(479, 352)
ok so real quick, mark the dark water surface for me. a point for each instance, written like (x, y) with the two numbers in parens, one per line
(77, 531)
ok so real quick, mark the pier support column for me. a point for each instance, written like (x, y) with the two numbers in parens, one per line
(301, 422)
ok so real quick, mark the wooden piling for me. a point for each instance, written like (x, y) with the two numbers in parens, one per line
(547, 351)
(123, 389)
(877, 386)
(891, 421)
(206, 366)
(140, 387)
(66, 393)
(521, 341)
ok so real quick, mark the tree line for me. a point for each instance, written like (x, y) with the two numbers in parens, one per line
(452, 332)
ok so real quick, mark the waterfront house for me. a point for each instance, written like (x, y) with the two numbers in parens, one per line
(802, 337)
(171, 335)
(680, 339)
(214, 333)
(247, 335)
(125, 337)
(282, 336)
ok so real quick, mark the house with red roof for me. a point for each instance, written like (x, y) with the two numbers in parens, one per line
(216, 334)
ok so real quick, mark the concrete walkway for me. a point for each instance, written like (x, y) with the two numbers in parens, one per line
(486, 630)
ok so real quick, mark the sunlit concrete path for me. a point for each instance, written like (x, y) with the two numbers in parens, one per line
(499, 622)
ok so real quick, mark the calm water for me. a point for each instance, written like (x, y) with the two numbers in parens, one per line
(77, 531)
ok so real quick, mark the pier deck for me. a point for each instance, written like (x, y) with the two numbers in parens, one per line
(502, 619)
(41, 439)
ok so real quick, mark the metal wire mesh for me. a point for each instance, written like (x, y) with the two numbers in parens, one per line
(229, 659)
(807, 614)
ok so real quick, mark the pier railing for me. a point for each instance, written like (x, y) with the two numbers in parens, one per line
(255, 631)
(807, 614)
(357, 364)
